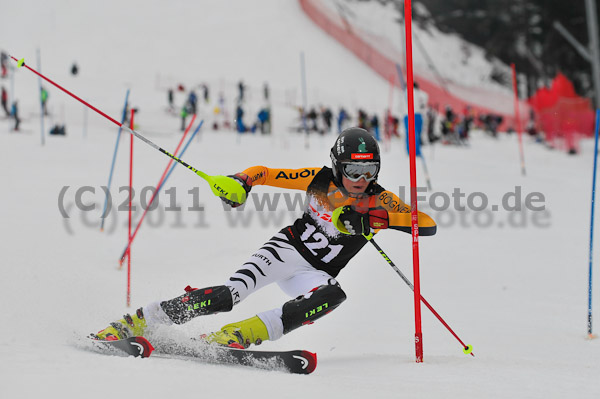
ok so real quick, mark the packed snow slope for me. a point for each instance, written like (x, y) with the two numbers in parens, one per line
(512, 284)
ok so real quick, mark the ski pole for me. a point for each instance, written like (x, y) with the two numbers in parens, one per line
(221, 186)
(467, 349)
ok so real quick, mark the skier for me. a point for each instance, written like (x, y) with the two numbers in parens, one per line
(304, 259)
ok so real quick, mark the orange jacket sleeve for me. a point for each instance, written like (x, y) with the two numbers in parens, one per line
(400, 216)
(296, 179)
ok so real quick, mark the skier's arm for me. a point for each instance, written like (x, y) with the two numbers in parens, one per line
(400, 217)
(296, 179)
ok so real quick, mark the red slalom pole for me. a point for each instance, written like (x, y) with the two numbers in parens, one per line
(23, 64)
(160, 181)
(130, 199)
(413, 180)
(467, 349)
(518, 118)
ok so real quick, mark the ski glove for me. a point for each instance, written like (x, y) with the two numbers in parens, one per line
(358, 221)
(245, 182)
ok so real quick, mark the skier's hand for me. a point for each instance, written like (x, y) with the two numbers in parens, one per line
(360, 221)
(245, 182)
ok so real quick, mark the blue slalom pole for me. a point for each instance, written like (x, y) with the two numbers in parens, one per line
(180, 155)
(592, 225)
(112, 166)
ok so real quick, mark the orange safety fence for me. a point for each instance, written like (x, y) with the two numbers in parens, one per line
(383, 60)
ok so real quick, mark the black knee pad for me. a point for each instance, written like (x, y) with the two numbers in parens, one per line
(308, 308)
(198, 302)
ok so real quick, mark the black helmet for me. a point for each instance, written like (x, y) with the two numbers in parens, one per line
(355, 155)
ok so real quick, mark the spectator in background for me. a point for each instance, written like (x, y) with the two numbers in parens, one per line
(327, 116)
(466, 123)
(342, 118)
(312, 117)
(421, 99)
(418, 129)
(4, 64)
(375, 127)
(363, 120)
(431, 117)
(266, 91)
(44, 98)
(241, 90)
(170, 99)
(205, 93)
(239, 118)
(5, 101)
(15, 114)
(264, 120)
(185, 112)
(193, 102)
(448, 123)
(58, 130)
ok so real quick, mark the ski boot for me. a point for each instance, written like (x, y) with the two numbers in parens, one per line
(128, 326)
(240, 335)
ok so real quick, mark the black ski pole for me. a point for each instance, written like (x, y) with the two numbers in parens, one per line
(467, 349)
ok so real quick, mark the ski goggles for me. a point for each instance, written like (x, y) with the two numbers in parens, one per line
(354, 171)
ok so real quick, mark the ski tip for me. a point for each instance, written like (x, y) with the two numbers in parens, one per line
(147, 347)
(312, 361)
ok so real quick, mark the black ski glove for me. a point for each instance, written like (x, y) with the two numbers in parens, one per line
(359, 221)
(245, 182)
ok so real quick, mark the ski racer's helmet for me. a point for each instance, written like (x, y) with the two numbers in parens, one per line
(355, 155)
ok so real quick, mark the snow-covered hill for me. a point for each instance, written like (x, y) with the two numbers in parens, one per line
(512, 284)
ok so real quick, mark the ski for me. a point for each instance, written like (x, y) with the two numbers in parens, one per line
(134, 346)
(294, 361)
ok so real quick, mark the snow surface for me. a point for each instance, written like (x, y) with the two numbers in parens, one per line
(446, 60)
(515, 290)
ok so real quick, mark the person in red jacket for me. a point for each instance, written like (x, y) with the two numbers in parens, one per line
(304, 259)
(5, 101)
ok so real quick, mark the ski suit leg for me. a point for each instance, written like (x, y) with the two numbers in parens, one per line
(316, 294)
(276, 260)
